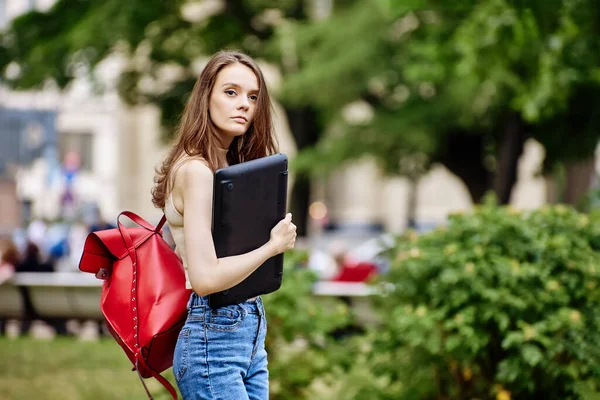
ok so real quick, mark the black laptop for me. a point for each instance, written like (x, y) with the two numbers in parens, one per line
(249, 199)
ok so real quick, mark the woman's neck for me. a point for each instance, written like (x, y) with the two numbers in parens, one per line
(222, 155)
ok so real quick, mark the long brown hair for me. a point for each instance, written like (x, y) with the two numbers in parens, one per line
(196, 135)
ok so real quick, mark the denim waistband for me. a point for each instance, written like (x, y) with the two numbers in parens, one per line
(254, 306)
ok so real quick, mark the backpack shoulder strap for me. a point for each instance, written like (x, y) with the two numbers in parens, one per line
(163, 381)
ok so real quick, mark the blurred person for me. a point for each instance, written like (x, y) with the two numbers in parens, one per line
(32, 262)
(349, 268)
(342, 265)
(339, 264)
(9, 258)
(69, 200)
(323, 264)
(327, 264)
(339, 252)
(59, 324)
(360, 271)
(227, 120)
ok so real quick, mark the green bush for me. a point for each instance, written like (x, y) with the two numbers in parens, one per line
(495, 304)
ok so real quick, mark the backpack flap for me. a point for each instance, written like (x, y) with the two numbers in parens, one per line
(96, 258)
(103, 248)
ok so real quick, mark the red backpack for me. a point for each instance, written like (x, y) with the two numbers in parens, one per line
(143, 297)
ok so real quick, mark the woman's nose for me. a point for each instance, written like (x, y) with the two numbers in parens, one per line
(244, 103)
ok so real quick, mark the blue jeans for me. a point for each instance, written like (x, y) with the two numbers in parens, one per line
(220, 353)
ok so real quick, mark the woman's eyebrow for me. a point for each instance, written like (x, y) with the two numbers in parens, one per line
(231, 84)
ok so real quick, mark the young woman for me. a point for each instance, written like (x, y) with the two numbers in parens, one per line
(220, 353)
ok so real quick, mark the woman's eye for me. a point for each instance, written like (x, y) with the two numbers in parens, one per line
(230, 92)
(253, 97)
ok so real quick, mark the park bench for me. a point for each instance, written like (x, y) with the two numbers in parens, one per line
(76, 295)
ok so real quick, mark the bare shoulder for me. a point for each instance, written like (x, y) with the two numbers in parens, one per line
(192, 177)
(193, 172)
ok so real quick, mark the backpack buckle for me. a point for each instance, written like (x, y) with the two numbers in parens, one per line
(103, 273)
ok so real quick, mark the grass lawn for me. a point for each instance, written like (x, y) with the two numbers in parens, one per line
(70, 369)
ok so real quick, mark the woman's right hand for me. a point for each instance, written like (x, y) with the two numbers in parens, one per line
(283, 235)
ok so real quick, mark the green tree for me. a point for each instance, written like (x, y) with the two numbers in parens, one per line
(462, 84)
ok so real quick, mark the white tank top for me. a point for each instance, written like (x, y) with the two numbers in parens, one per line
(175, 221)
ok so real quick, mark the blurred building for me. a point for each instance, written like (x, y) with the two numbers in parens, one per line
(358, 196)
(97, 150)
(90, 150)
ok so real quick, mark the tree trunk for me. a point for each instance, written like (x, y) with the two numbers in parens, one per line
(580, 178)
(509, 151)
(411, 204)
(306, 130)
(462, 153)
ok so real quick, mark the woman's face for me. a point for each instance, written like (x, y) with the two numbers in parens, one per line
(233, 102)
